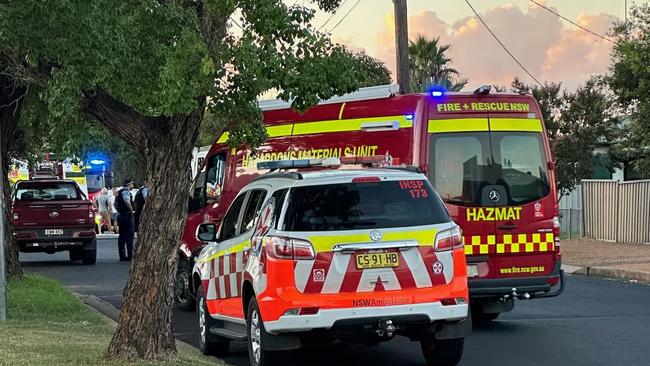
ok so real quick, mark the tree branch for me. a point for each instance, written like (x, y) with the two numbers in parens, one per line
(118, 117)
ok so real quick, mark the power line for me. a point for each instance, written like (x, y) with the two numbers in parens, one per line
(501, 43)
(332, 16)
(345, 16)
(574, 23)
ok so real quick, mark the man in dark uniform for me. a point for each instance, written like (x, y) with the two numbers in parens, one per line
(138, 203)
(125, 221)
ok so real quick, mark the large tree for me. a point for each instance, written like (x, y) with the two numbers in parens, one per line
(430, 66)
(13, 93)
(630, 80)
(147, 71)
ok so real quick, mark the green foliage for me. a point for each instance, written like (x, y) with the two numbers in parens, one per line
(630, 80)
(372, 71)
(576, 123)
(429, 66)
(157, 58)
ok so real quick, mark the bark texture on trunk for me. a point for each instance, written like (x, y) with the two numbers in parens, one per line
(11, 98)
(145, 327)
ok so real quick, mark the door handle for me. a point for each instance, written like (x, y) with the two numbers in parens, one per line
(507, 227)
(380, 126)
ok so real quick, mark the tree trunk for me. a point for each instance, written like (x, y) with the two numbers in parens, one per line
(11, 97)
(145, 327)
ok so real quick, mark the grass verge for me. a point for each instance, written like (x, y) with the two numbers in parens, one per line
(47, 325)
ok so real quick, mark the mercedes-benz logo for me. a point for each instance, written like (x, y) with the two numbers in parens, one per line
(375, 235)
(54, 214)
(494, 195)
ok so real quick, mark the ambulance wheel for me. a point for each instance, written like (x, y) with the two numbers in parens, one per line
(209, 344)
(442, 352)
(182, 294)
(255, 332)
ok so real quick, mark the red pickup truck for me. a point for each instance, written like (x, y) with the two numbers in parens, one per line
(54, 215)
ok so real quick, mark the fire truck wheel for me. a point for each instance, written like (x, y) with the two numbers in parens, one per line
(442, 352)
(89, 253)
(182, 294)
(255, 332)
(209, 344)
(76, 254)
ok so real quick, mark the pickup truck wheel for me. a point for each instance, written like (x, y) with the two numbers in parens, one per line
(209, 344)
(89, 255)
(76, 254)
(442, 352)
(182, 294)
(255, 333)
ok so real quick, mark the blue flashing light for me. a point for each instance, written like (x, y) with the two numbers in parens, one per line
(436, 93)
(409, 117)
(97, 162)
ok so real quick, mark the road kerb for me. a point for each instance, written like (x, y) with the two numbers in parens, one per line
(623, 274)
(111, 314)
(569, 269)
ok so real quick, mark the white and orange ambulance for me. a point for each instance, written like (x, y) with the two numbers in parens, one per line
(341, 254)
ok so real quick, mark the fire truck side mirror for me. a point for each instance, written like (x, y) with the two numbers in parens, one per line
(206, 232)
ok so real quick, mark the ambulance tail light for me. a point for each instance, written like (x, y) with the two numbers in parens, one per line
(289, 248)
(449, 239)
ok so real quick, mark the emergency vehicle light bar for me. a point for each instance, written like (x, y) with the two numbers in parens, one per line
(300, 163)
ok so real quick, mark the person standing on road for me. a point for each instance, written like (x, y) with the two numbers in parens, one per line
(125, 221)
(112, 193)
(105, 211)
(139, 201)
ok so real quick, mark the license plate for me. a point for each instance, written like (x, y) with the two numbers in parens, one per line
(472, 270)
(53, 231)
(377, 260)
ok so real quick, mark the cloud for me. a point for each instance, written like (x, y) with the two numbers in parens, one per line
(550, 49)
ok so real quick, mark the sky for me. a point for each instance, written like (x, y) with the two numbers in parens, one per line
(549, 47)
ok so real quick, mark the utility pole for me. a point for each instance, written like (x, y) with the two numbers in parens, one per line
(3, 279)
(402, 46)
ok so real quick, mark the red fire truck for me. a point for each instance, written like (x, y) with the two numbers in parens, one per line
(487, 154)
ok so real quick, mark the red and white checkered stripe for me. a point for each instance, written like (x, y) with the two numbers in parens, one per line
(336, 272)
(222, 276)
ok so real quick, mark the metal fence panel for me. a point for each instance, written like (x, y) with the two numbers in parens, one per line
(571, 213)
(634, 212)
(616, 211)
(600, 200)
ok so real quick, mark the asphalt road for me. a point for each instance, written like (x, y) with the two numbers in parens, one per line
(595, 322)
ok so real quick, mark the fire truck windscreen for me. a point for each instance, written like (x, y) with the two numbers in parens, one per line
(464, 163)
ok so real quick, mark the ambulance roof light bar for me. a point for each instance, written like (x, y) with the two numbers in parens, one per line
(299, 163)
(372, 92)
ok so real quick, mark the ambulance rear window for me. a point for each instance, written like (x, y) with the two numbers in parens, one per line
(364, 205)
